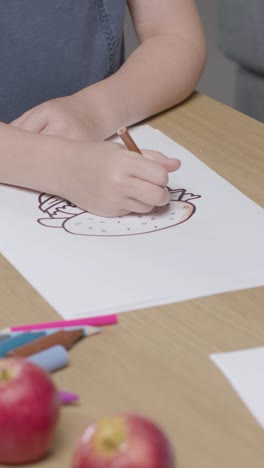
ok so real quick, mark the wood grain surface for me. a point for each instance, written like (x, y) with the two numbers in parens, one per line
(156, 361)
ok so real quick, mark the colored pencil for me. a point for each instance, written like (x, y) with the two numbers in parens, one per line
(4, 336)
(128, 140)
(87, 331)
(62, 337)
(93, 321)
(17, 341)
(131, 145)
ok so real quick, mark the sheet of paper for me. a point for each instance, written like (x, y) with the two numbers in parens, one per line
(244, 370)
(207, 241)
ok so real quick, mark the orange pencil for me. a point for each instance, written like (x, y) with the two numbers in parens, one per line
(128, 140)
(61, 337)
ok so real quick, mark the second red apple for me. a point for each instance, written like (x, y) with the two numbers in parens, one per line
(123, 441)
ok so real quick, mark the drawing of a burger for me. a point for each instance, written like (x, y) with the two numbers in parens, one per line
(63, 214)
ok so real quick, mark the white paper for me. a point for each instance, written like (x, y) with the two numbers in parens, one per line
(244, 370)
(217, 247)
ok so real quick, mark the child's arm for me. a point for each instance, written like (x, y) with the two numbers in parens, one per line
(103, 178)
(161, 72)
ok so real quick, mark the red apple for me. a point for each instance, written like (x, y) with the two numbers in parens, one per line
(29, 409)
(123, 441)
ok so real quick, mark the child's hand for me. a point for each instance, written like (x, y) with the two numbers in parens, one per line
(67, 117)
(108, 180)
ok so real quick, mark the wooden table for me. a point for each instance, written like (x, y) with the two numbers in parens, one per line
(156, 361)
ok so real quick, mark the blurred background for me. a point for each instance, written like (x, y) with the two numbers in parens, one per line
(218, 80)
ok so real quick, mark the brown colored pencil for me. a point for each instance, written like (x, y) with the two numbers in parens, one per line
(61, 337)
(128, 140)
(131, 145)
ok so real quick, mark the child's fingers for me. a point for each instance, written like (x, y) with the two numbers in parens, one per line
(108, 212)
(171, 164)
(51, 131)
(17, 122)
(147, 193)
(34, 122)
(135, 206)
(149, 171)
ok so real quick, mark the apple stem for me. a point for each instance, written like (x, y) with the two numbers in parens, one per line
(5, 374)
(109, 443)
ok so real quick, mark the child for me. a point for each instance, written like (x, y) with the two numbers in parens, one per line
(69, 53)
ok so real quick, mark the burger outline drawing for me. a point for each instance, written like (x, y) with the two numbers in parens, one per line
(62, 214)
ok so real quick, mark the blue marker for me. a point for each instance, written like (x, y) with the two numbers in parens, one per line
(51, 359)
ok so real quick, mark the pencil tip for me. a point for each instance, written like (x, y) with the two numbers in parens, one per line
(89, 330)
(5, 331)
(121, 131)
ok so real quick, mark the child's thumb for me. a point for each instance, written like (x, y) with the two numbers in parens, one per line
(170, 164)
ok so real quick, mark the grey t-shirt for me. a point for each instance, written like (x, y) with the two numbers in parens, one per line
(53, 48)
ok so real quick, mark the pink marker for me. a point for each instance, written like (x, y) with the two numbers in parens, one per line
(67, 398)
(93, 321)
